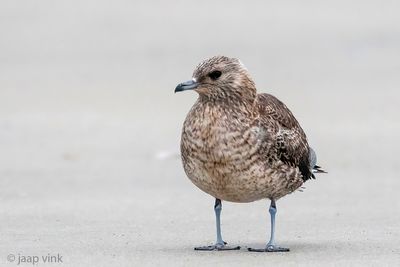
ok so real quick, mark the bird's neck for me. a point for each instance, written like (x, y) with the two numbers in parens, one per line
(242, 109)
(233, 103)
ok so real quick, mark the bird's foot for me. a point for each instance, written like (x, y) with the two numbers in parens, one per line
(270, 248)
(217, 247)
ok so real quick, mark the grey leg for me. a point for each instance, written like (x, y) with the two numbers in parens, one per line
(220, 244)
(271, 246)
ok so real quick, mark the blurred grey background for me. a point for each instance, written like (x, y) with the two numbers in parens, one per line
(90, 128)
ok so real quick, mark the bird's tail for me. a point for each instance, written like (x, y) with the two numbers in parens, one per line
(318, 169)
(313, 164)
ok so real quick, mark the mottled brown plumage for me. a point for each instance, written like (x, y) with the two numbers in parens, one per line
(238, 145)
(241, 146)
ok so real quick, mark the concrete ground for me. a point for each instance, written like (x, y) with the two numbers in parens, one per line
(89, 131)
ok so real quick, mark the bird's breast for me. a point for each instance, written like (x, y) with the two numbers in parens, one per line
(215, 141)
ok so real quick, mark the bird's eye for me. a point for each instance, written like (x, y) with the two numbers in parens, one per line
(215, 74)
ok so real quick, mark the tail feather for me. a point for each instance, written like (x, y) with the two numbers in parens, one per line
(313, 164)
(318, 169)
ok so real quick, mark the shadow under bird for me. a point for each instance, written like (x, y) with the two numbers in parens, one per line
(241, 146)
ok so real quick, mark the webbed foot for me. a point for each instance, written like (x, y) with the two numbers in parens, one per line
(270, 248)
(217, 247)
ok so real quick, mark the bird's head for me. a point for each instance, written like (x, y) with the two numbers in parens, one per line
(221, 78)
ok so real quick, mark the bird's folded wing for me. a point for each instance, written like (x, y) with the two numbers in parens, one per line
(285, 134)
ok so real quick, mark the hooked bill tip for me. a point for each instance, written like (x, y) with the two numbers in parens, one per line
(189, 85)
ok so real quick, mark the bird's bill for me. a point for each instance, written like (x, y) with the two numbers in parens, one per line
(189, 85)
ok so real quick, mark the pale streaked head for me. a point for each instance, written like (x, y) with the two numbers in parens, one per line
(220, 78)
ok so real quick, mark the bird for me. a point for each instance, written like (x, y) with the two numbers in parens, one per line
(241, 146)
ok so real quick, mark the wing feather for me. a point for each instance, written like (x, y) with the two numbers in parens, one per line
(285, 133)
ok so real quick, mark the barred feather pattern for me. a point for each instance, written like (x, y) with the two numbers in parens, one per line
(239, 146)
